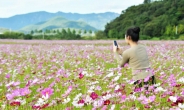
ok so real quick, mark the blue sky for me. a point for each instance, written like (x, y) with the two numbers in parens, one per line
(12, 7)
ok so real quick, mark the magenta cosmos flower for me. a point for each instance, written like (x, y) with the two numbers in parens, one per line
(47, 92)
(94, 95)
(81, 75)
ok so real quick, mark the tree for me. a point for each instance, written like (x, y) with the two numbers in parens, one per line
(32, 32)
(85, 31)
(169, 30)
(90, 31)
(73, 32)
(57, 31)
(180, 29)
(100, 35)
(40, 31)
(68, 31)
(154, 19)
(80, 31)
(113, 33)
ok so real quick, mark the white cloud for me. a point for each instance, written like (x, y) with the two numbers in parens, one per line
(13, 7)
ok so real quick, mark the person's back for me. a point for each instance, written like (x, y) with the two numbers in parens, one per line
(138, 61)
(138, 58)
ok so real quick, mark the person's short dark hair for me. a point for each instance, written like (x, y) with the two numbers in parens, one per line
(133, 33)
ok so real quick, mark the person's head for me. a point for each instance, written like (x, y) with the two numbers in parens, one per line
(132, 35)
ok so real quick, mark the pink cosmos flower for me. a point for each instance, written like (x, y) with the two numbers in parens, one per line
(149, 99)
(18, 92)
(67, 92)
(9, 96)
(146, 79)
(123, 97)
(47, 92)
(183, 69)
(141, 98)
(16, 83)
(94, 95)
(8, 76)
(24, 91)
(104, 107)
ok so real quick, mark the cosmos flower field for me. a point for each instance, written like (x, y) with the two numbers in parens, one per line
(83, 75)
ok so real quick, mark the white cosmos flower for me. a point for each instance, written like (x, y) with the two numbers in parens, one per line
(132, 97)
(77, 97)
(35, 80)
(9, 84)
(84, 72)
(92, 83)
(106, 97)
(40, 102)
(66, 100)
(161, 73)
(117, 87)
(160, 89)
(45, 97)
(112, 107)
(98, 103)
(3, 106)
(116, 78)
(88, 100)
(21, 101)
(173, 99)
(156, 85)
(110, 74)
(75, 103)
(181, 105)
(181, 80)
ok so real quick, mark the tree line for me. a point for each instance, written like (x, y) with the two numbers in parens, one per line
(163, 19)
(46, 34)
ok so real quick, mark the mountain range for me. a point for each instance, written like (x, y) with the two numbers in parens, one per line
(58, 23)
(23, 21)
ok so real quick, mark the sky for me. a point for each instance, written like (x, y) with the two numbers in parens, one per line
(10, 8)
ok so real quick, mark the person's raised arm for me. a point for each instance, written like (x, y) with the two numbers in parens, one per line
(121, 57)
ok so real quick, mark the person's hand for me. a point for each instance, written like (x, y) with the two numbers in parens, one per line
(115, 48)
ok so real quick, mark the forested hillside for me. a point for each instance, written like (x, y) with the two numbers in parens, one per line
(163, 19)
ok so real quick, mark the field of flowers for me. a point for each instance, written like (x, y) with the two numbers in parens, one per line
(83, 75)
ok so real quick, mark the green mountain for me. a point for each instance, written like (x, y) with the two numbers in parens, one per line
(58, 22)
(160, 19)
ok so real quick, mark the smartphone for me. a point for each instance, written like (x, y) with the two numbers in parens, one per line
(115, 43)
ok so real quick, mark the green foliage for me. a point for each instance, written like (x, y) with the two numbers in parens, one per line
(79, 31)
(90, 31)
(100, 35)
(181, 29)
(155, 19)
(12, 35)
(181, 37)
(85, 31)
(48, 34)
(28, 37)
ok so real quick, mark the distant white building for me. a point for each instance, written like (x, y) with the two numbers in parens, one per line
(155, 0)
